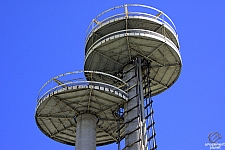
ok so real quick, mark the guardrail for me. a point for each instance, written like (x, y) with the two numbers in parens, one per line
(81, 78)
(131, 31)
(126, 11)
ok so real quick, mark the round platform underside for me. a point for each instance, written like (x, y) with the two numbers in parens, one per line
(56, 112)
(111, 53)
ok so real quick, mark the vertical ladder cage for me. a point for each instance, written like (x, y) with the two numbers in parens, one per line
(150, 129)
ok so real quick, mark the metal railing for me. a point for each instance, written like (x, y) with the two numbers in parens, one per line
(132, 31)
(126, 11)
(81, 78)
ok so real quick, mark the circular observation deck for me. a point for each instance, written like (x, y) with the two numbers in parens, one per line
(120, 34)
(68, 95)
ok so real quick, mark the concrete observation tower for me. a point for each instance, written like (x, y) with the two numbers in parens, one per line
(131, 54)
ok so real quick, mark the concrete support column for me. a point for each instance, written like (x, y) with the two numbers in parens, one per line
(86, 132)
(133, 135)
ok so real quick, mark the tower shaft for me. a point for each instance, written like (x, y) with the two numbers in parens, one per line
(86, 132)
(134, 117)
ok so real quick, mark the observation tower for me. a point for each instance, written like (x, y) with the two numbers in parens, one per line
(131, 54)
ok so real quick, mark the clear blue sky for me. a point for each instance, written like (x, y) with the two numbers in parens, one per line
(40, 39)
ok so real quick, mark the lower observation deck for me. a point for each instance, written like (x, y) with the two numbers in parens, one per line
(58, 107)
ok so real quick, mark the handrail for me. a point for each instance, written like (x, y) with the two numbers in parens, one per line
(93, 25)
(80, 80)
(69, 84)
(129, 31)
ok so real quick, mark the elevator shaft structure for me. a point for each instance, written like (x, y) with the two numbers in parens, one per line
(131, 54)
(134, 117)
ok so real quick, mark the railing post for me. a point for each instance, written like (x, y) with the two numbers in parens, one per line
(126, 10)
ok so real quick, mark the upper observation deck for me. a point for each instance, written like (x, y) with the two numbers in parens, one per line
(120, 34)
